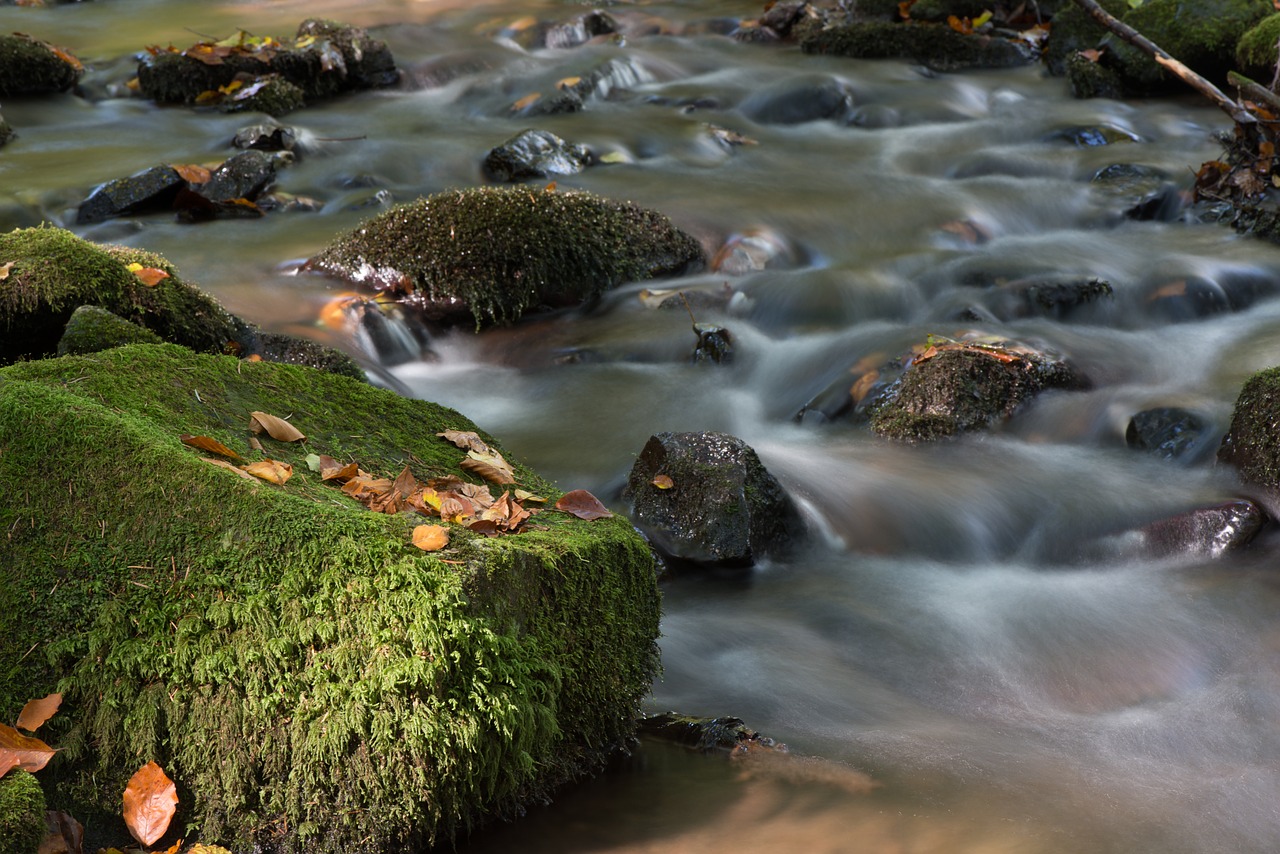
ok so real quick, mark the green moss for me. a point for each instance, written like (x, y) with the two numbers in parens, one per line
(317, 683)
(6, 132)
(275, 97)
(91, 329)
(1256, 50)
(1251, 444)
(1073, 30)
(22, 811)
(30, 67)
(496, 252)
(1201, 34)
(935, 45)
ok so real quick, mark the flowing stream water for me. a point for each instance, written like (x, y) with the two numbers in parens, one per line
(954, 663)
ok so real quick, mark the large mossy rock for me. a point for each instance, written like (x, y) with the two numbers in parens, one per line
(50, 272)
(495, 253)
(1252, 443)
(937, 46)
(1256, 52)
(22, 811)
(29, 66)
(313, 680)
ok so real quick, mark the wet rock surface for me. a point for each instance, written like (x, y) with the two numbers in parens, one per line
(704, 734)
(151, 190)
(722, 509)
(1252, 443)
(936, 46)
(1170, 433)
(29, 66)
(535, 154)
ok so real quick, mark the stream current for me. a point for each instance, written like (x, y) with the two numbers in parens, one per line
(953, 666)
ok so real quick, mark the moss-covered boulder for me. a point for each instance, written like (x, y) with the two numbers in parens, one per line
(1202, 34)
(50, 272)
(1256, 50)
(325, 58)
(937, 46)
(1252, 444)
(92, 329)
(495, 253)
(29, 66)
(961, 386)
(1073, 30)
(313, 680)
(22, 811)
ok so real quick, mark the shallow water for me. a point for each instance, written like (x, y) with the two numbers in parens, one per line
(950, 632)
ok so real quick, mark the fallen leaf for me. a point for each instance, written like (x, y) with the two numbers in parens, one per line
(174, 848)
(582, 504)
(568, 82)
(32, 753)
(193, 174)
(4, 270)
(212, 446)
(64, 835)
(487, 527)
(149, 276)
(150, 801)
(405, 483)
(526, 495)
(226, 465)
(67, 58)
(430, 538)
(662, 481)
(526, 102)
(485, 467)
(277, 428)
(468, 440)
(8, 761)
(272, 471)
(36, 712)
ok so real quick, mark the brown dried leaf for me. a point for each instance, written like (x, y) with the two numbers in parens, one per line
(340, 472)
(226, 465)
(8, 761)
(526, 495)
(193, 174)
(65, 835)
(4, 270)
(36, 712)
(32, 754)
(663, 481)
(149, 276)
(150, 800)
(405, 483)
(272, 471)
(430, 538)
(277, 428)
(490, 466)
(468, 440)
(582, 504)
(210, 446)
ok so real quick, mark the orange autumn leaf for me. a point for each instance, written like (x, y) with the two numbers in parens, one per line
(276, 428)
(430, 538)
(149, 276)
(8, 761)
(526, 102)
(226, 465)
(150, 800)
(31, 754)
(467, 440)
(36, 712)
(4, 270)
(212, 446)
(272, 471)
(405, 483)
(582, 504)
(193, 174)
(662, 481)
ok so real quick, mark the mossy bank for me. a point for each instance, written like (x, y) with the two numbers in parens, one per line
(310, 680)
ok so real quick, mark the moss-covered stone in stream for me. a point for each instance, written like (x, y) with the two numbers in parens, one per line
(1073, 30)
(494, 253)
(92, 329)
(934, 45)
(1256, 50)
(22, 811)
(314, 681)
(1252, 443)
(29, 66)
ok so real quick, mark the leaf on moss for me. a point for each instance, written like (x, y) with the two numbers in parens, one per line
(149, 276)
(226, 465)
(150, 800)
(468, 440)
(662, 481)
(582, 504)
(526, 495)
(430, 538)
(208, 445)
(31, 754)
(405, 483)
(36, 712)
(276, 428)
(4, 270)
(272, 471)
(490, 466)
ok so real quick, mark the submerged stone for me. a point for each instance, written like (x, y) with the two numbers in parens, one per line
(722, 509)
(1168, 432)
(495, 253)
(29, 66)
(535, 153)
(1207, 531)
(314, 681)
(806, 99)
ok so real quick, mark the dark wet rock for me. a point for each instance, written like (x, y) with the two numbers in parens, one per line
(1168, 432)
(723, 510)
(704, 734)
(439, 71)
(92, 329)
(961, 386)
(1074, 30)
(557, 103)
(754, 249)
(266, 138)
(270, 94)
(55, 274)
(1202, 34)
(325, 59)
(1141, 192)
(1057, 297)
(6, 132)
(535, 154)
(491, 254)
(1256, 50)
(1252, 443)
(1091, 136)
(242, 176)
(715, 344)
(1091, 79)
(1206, 531)
(936, 46)
(804, 99)
(29, 66)
(146, 192)
(1196, 297)
(535, 35)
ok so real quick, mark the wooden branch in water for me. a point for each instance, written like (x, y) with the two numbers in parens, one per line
(1237, 112)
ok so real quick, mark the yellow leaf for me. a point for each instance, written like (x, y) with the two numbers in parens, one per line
(4, 270)
(226, 465)
(663, 482)
(277, 428)
(231, 87)
(306, 41)
(272, 471)
(526, 495)
(568, 82)
(982, 19)
(430, 538)
(526, 102)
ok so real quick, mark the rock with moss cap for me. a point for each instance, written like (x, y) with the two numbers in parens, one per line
(22, 809)
(959, 386)
(493, 254)
(92, 329)
(1256, 50)
(1251, 443)
(52, 273)
(937, 46)
(29, 66)
(316, 682)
